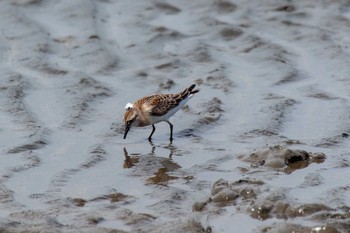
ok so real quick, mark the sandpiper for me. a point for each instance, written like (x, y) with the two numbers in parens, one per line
(155, 108)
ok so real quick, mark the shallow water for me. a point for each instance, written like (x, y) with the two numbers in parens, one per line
(263, 147)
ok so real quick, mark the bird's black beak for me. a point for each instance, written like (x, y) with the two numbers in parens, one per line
(127, 128)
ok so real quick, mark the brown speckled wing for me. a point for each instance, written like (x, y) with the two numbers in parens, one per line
(163, 103)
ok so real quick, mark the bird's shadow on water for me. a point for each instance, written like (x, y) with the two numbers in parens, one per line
(153, 164)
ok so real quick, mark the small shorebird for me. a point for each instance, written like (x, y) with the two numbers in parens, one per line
(156, 108)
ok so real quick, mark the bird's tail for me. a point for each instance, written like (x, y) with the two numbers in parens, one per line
(190, 89)
(189, 92)
(185, 94)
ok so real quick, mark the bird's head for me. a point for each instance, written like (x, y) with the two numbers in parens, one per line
(130, 117)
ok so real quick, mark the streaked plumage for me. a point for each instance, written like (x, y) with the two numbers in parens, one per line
(156, 108)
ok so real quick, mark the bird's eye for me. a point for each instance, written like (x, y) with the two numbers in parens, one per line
(129, 122)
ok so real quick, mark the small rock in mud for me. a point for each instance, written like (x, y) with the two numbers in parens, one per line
(224, 196)
(200, 206)
(280, 157)
(218, 186)
(78, 202)
(224, 193)
(95, 220)
(230, 33)
(260, 212)
(286, 8)
(283, 210)
(248, 193)
(293, 156)
(164, 66)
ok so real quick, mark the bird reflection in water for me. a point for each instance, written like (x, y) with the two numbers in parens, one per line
(130, 161)
(162, 165)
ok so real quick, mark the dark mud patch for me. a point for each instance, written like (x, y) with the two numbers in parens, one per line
(290, 77)
(285, 8)
(225, 6)
(26, 2)
(28, 147)
(167, 65)
(111, 197)
(322, 96)
(167, 8)
(46, 69)
(230, 33)
(281, 158)
(260, 132)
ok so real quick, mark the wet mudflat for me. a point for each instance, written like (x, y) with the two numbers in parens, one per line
(264, 146)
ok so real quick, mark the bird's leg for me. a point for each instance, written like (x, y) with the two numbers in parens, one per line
(171, 131)
(150, 136)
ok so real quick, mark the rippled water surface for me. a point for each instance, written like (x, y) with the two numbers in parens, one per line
(263, 147)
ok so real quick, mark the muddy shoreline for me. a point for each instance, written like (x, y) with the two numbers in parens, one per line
(263, 147)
